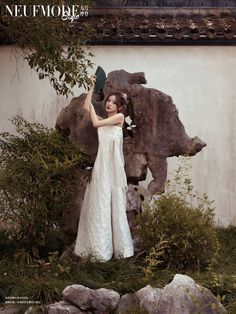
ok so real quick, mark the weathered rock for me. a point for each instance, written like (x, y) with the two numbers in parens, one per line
(99, 301)
(181, 296)
(127, 302)
(64, 307)
(79, 295)
(149, 298)
(135, 163)
(105, 300)
(75, 123)
(184, 296)
(158, 133)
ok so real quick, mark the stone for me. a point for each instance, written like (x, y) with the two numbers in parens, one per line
(184, 296)
(127, 302)
(181, 296)
(105, 300)
(149, 298)
(99, 301)
(64, 307)
(79, 295)
(158, 134)
(73, 121)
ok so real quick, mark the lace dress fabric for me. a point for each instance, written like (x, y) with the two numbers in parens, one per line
(103, 227)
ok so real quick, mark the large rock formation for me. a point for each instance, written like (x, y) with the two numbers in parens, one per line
(158, 133)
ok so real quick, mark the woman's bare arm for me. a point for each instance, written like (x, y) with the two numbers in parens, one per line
(88, 99)
(115, 119)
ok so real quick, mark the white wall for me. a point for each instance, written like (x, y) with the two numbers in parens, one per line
(201, 81)
(22, 93)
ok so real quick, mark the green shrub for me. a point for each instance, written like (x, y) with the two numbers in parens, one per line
(36, 182)
(183, 222)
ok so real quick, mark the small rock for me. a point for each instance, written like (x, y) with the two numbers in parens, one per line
(149, 298)
(105, 300)
(63, 307)
(79, 295)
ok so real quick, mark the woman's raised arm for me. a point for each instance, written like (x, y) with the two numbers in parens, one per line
(88, 98)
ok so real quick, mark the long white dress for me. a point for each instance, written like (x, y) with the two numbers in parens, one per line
(103, 227)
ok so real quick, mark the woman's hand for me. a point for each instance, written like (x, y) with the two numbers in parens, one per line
(92, 80)
(88, 98)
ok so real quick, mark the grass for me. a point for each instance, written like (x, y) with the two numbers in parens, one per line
(44, 280)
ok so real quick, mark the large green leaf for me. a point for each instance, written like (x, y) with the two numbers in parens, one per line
(101, 78)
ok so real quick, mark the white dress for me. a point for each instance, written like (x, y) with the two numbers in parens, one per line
(103, 227)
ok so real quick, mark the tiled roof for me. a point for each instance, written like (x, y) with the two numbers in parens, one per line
(135, 26)
(164, 3)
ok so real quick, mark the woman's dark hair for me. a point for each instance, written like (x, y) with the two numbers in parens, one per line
(120, 100)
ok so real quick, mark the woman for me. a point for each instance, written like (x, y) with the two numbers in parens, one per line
(103, 228)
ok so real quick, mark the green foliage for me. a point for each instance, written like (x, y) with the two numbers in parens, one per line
(45, 279)
(227, 260)
(223, 283)
(154, 258)
(184, 221)
(36, 182)
(50, 45)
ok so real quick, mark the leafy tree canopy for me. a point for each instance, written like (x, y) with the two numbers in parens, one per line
(50, 44)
